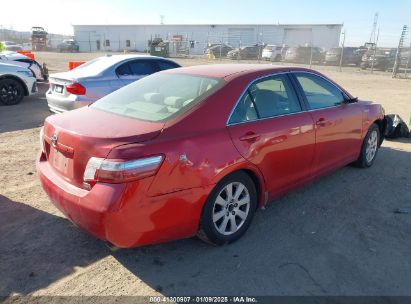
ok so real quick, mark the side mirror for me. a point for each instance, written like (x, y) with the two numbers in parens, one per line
(350, 100)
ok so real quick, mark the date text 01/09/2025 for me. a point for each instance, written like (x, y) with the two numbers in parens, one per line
(203, 299)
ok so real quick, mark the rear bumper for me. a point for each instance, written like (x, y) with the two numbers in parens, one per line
(60, 104)
(123, 214)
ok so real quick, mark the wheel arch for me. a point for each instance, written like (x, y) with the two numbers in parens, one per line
(26, 90)
(255, 175)
(382, 126)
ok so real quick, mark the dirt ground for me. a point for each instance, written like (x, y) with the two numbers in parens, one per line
(337, 236)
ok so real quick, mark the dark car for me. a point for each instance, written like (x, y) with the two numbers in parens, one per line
(382, 59)
(218, 50)
(246, 52)
(68, 46)
(350, 55)
(304, 54)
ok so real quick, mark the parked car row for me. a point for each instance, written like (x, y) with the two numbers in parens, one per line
(384, 59)
(358, 56)
(11, 46)
(67, 45)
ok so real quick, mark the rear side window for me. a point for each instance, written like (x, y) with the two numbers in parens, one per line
(143, 67)
(123, 70)
(166, 65)
(319, 92)
(270, 97)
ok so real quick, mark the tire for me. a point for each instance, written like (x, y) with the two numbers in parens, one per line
(369, 147)
(220, 221)
(11, 91)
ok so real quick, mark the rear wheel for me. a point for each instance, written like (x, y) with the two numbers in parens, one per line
(369, 147)
(11, 92)
(229, 210)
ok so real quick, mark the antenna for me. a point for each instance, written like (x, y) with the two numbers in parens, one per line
(374, 28)
(161, 19)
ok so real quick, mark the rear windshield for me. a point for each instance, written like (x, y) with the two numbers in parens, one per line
(158, 97)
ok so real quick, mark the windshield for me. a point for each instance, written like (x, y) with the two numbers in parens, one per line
(158, 97)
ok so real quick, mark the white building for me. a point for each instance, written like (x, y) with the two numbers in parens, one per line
(135, 37)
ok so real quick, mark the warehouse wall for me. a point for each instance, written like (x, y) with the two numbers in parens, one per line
(90, 37)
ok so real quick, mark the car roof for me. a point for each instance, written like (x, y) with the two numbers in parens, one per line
(226, 70)
(113, 59)
(101, 64)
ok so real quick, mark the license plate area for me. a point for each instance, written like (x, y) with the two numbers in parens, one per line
(59, 161)
(58, 89)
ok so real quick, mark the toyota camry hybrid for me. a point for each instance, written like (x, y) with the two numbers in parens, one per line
(196, 150)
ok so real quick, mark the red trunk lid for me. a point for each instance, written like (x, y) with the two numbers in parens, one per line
(73, 137)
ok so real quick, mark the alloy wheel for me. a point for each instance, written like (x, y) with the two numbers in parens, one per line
(231, 208)
(9, 92)
(372, 145)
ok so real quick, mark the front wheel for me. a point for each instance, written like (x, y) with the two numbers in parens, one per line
(369, 147)
(11, 92)
(229, 209)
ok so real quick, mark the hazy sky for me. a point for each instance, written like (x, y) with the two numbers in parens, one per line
(357, 15)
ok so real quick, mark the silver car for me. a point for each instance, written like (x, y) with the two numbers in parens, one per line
(99, 77)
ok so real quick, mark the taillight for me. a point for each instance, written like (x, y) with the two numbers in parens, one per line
(117, 171)
(76, 89)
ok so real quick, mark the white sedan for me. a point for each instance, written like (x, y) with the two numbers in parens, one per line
(15, 83)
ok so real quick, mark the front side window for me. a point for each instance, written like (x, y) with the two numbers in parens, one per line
(267, 98)
(158, 97)
(319, 92)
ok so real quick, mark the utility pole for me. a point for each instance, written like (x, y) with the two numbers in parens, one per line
(398, 55)
(342, 50)
(375, 51)
(374, 28)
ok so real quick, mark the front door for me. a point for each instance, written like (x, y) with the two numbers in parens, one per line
(269, 129)
(338, 124)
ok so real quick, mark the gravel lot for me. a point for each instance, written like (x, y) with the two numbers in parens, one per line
(337, 236)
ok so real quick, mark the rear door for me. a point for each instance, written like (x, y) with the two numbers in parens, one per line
(270, 129)
(338, 124)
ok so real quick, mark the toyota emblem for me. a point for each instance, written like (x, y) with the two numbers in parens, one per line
(54, 140)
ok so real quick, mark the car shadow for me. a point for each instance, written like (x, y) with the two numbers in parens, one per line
(29, 113)
(337, 236)
(38, 248)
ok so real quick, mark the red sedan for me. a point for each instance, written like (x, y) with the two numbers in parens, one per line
(197, 150)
